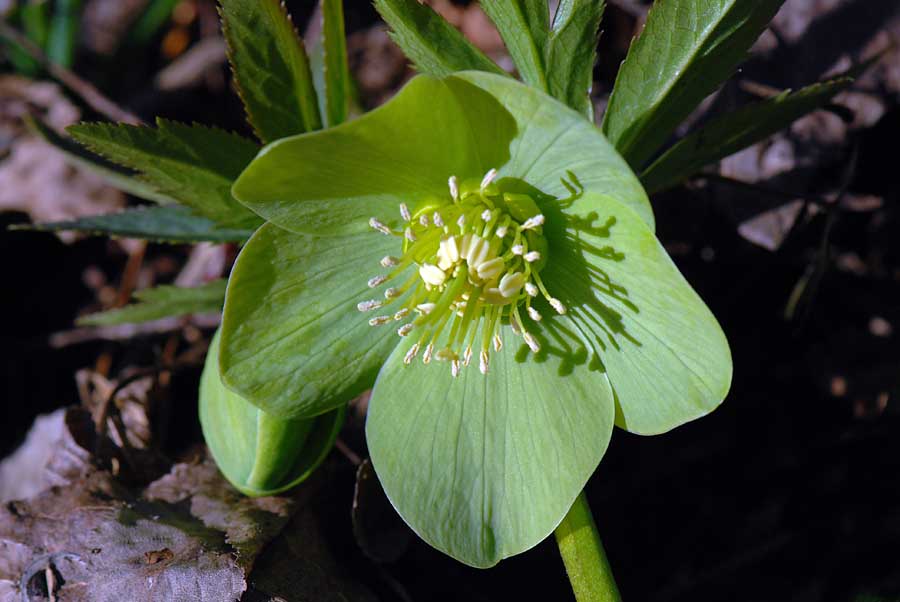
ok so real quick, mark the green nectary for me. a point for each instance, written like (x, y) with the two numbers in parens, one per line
(597, 325)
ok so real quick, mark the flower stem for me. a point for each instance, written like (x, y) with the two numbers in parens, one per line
(584, 557)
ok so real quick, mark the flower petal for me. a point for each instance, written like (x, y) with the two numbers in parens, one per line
(258, 453)
(293, 342)
(485, 467)
(665, 354)
(331, 181)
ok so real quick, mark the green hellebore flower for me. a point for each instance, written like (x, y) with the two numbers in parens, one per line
(510, 247)
(260, 454)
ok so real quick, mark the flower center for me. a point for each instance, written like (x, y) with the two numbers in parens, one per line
(478, 255)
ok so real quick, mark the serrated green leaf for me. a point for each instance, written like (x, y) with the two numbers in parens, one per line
(193, 164)
(271, 69)
(170, 224)
(730, 133)
(126, 180)
(258, 453)
(687, 50)
(162, 302)
(335, 70)
(524, 26)
(572, 52)
(430, 42)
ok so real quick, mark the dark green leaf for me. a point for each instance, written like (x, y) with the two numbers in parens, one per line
(193, 164)
(271, 69)
(122, 178)
(572, 52)
(433, 45)
(64, 32)
(524, 26)
(687, 49)
(732, 132)
(155, 15)
(163, 302)
(336, 72)
(172, 224)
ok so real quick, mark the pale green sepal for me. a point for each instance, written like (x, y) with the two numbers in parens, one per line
(331, 182)
(258, 453)
(293, 341)
(486, 467)
(664, 352)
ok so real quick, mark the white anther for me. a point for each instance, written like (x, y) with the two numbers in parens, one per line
(379, 320)
(454, 368)
(477, 252)
(534, 314)
(533, 222)
(454, 187)
(491, 269)
(379, 226)
(410, 235)
(531, 289)
(486, 215)
(501, 231)
(557, 305)
(389, 261)
(423, 219)
(401, 314)
(515, 327)
(425, 308)
(488, 178)
(531, 342)
(498, 343)
(511, 284)
(517, 249)
(369, 305)
(532, 256)
(411, 354)
(377, 281)
(467, 356)
(448, 252)
(426, 357)
(461, 222)
(437, 219)
(392, 293)
(404, 212)
(405, 330)
(432, 274)
(484, 361)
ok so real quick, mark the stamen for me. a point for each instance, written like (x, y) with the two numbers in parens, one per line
(517, 249)
(461, 222)
(484, 362)
(425, 308)
(369, 305)
(423, 219)
(502, 231)
(410, 235)
(486, 215)
(498, 343)
(404, 212)
(467, 356)
(426, 357)
(432, 274)
(534, 314)
(532, 256)
(533, 222)
(405, 330)
(491, 269)
(531, 342)
(401, 314)
(557, 305)
(511, 284)
(379, 226)
(389, 261)
(489, 177)
(379, 320)
(453, 182)
(531, 289)
(411, 354)
(377, 281)
(454, 368)
(437, 219)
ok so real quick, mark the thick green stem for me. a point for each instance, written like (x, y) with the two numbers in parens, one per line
(581, 551)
